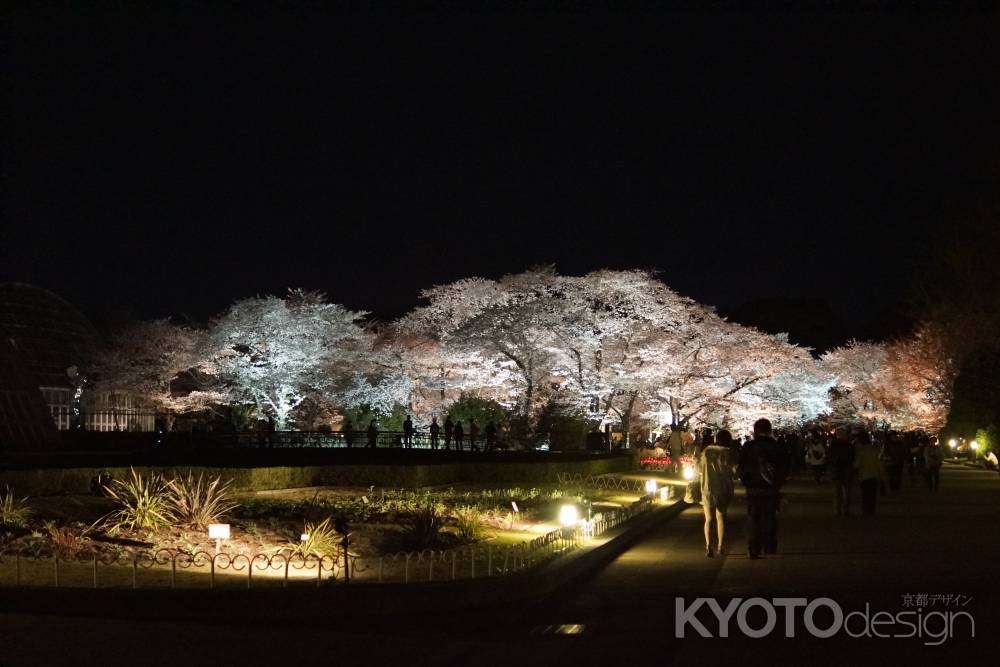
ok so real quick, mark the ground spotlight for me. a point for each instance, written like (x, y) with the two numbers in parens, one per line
(568, 515)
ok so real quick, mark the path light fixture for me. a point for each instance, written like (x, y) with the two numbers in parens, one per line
(953, 443)
(651, 486)
(974, 445)
(568, 515)
(304, 537)
(218, 532)
(689, 472)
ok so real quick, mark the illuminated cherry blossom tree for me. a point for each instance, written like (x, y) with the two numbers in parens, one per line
(275, 352)
(610, 342)
(904, 384)
(498, 325)
(147, 359)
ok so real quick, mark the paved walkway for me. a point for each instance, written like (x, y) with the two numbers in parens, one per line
(918, 543)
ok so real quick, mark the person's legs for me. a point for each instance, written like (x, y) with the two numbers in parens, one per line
(869, 493)
(934, 478)
(709, 512)
(769, 525)
(720, 526)
(753, 525)
(848, 491)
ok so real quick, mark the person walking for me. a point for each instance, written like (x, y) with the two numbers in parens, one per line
(816, 459)
(435, 429)
(473, 434)
(675, 448)
(841, 458)
(762, 470)
(918, 462)
(347, 433)
(868, 463)
(897, 452)
(797, 454)
(372, 434)
(408, 432)
(449, 431)
(715, 466)
(459, 434)
(933, 458)
(491, 436)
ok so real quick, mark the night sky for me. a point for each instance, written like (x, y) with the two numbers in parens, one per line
(165, 163)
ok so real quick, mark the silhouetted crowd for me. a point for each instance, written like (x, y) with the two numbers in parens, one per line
(854, 460)
(452, 434)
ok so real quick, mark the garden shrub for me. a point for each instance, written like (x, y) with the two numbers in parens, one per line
(65, 541)
(564, 428)
(322, 540)
(470, 522)
(143, 504)
(13, 512)
(362, 415)
(484, 411)
(198, 502)
(421, 527)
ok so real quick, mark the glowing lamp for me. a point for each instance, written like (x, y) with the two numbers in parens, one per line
(218, 531)
(304, 537)
(689, 472)
(665, 493)
(651, 486)
(953, 443)
(974, 445)
(568, 515)
(514, 505)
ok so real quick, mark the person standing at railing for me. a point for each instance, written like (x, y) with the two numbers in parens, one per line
(449, 431)
(459, 434)
(473, 434)
(372, 434)
(491, 436)
(347, 433)
(435, 430)
(408, 432)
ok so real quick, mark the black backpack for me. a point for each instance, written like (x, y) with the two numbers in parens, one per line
(755, 469)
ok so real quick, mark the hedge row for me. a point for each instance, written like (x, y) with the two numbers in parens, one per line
(53, 481)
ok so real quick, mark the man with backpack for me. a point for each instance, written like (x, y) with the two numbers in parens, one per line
(763, 467)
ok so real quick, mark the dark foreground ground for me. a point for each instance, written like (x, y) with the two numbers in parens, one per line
(918, 544)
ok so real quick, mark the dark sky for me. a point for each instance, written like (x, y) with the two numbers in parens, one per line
(161, 163)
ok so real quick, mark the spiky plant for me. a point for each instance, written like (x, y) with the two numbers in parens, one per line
(470, 522)
(321, 539)
(13, 512)
(143, 504)
(422, 526)
(198, 502)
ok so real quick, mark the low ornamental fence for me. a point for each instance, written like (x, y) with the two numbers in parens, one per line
(605, 482)
(172, 569)
(327, 440)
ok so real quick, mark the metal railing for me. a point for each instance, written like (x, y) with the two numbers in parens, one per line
(354, 439)
(175, 569)
(331, 439)
(606, 482)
